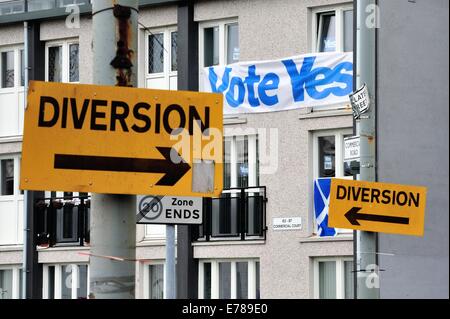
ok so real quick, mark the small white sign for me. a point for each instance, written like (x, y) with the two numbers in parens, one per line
(351, 148)
(360, 101)
(169, 210)
(287, 223)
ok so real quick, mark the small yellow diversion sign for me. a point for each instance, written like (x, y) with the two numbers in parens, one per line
(90, 138)
(377, 207)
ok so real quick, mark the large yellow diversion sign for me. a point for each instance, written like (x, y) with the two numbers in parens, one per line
(118, 140)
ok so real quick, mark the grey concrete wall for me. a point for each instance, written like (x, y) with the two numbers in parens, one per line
(413, 130)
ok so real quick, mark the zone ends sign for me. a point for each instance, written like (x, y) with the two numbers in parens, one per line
(377, 207)
(119, 140)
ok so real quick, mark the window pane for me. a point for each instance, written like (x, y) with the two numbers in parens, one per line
(327, 33)
(74, 65)
(348, 277)
(68, 221)
(254, 215)
(242, 280)
(51, 282)
(225, 216)
(232, 43)
(22, 68)
(156, 284)
(207, 280)
(8, 69)
(211, 46)
(7, 177)
(327, 280)
(82, 282)
(348, 30)
(326, 156)
(55, 64)
(6, 283)
(156, 53)
(258, 294)
(227, 163)
(66, 282)
(174, 49)
(347, 168)
(257, 161)
(242, 161)
(225, 280)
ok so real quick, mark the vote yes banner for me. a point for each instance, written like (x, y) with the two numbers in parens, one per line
(315, 79)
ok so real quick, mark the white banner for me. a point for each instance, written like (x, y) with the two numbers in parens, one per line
(315, 79)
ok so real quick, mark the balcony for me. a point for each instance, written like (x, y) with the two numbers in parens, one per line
(239, 214)
(62, 221)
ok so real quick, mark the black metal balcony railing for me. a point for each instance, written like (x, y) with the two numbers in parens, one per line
(62, 221)
(240, 213)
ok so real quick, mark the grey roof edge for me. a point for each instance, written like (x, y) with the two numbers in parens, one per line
(58, 13)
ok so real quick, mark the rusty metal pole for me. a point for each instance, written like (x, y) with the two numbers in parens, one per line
(113, 224)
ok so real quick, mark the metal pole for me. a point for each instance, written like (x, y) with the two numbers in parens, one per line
(170, 288)
(366, 248)
(113, 220)
(26, 195)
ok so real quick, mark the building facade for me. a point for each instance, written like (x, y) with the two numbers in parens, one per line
(272, 159)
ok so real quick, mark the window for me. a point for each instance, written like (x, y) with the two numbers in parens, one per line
(241, 167)
(161, 59)
(153, 281)
(62, 61)
(239, 211)
(11, 201)
(65, 281)
(7, 73)
(333, 278)
(219, 43)
(228, 279)
(63, 219)
(7, 177)
(10, 282)
(12, 79)
(328, 154)
(333, 29)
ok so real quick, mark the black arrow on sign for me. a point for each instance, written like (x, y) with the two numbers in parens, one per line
(353, 216)
(173, 170)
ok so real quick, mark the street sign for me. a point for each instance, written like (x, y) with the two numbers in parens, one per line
(169, 210)
(377, 207)
(351, 148)
(119, 140)
(360, 101)
(287, 223)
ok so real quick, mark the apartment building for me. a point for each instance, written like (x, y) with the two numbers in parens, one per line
(272, 159)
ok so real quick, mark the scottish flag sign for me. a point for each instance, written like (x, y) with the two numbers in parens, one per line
(322, 188)
(314, 79)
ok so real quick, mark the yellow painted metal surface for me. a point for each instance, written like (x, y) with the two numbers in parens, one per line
(377, 207)
(117, 140)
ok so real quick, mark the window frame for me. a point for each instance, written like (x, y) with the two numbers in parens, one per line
(58, 279)
(223, 43)
(17, 161)
(146, 279)
(65, 56)
(17, 68)
(167, 72)
(339, 20)
(340, 274)
(215, 289)
(252, 157)
(16, 274)
(338, 134)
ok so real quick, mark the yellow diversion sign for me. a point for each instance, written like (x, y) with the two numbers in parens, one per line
(118, 140)
(377, 207)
